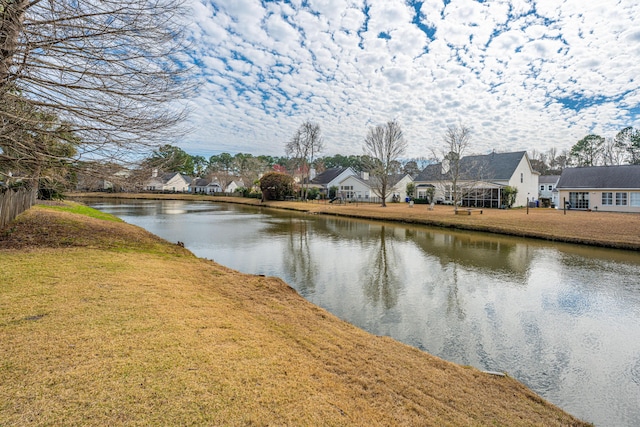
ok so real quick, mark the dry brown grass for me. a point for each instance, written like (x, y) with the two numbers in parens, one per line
(140, 332)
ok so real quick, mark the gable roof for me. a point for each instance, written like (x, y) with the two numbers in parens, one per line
(548, 179)
(165, 178)
(200, 182)
(488, 167)
(626, 176)
(372, 180)
(327, 176)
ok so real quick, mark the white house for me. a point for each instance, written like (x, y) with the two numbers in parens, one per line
(601, 188)
(204, 186)
(175, 182)
(362, 188)
(233, 185)
(331, 178)
(355, 187)
(482, 179)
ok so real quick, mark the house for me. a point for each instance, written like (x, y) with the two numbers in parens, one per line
(355, 187)
(363, 188)
(233, 185)
(174, 182)
(204, 186)
(482, 179)
(547, 189)
(399, 186)
(330, 178)
(602, 188)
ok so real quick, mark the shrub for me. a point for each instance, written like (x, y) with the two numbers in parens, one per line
(333, 192)
(276, 186)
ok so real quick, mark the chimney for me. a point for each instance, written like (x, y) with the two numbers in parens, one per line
(154, 173)
(312, 173)
(364, 175)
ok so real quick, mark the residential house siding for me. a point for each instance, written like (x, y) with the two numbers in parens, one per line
(483, 178)
(601, 188)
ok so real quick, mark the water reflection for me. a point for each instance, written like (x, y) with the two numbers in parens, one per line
(563, 319)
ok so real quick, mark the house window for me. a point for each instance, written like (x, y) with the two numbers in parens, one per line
(542, 188)
(579, 199)
(607, 199)
(634, 199)
(521, 177)
(621, 199)
(550, 187)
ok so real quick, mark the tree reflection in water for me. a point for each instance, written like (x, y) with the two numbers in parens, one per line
(380, 276)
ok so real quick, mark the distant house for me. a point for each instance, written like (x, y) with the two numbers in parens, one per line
(355, 187)
(330, 178)
(233, 185)
(602, 188)
(362, 188)
(204, 186)
(174, 182)
(482, 180)
(547, 189)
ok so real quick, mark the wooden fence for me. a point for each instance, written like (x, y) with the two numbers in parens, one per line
(15, 201)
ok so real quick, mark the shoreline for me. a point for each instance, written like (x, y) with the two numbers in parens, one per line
(601, 229)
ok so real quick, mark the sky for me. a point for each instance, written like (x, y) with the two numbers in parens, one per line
(522, 75)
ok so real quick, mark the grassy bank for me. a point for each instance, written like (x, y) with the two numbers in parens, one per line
(605, 229)
(102, 323)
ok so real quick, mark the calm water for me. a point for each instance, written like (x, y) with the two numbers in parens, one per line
(563, 319)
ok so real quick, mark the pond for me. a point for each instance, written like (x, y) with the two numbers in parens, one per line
(563, 319)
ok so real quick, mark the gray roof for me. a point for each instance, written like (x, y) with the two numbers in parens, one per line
(548, 179)
(200, 182)
(626, 176)
(168, 176)
(488, 167)
(327, 176)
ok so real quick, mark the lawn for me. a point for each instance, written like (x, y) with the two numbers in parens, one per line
(102, 323)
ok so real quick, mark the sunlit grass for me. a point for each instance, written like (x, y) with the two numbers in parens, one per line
(78, 208)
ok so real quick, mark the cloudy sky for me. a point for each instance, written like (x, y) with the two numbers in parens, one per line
(521, 74)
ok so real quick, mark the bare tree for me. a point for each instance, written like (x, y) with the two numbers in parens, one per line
(457, 140)
(106, 71)
(628, 139)
(306, 143)
(612, 153)
(384, 144)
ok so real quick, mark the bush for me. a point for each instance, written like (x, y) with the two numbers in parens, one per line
(509, 193)
(421, 201)
(276, 186)
(333, 192)
(312, 193)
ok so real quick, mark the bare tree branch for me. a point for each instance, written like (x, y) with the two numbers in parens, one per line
(384, 144)
(110, 70)
(305, 144)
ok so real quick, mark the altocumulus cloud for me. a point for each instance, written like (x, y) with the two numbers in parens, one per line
(521, 74)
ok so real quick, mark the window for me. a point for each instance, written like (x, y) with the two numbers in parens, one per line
(607, 199)
(521, 177)
(550, 187)
(634, 199)
(542, 188)
(579, 199)
(621, 199)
